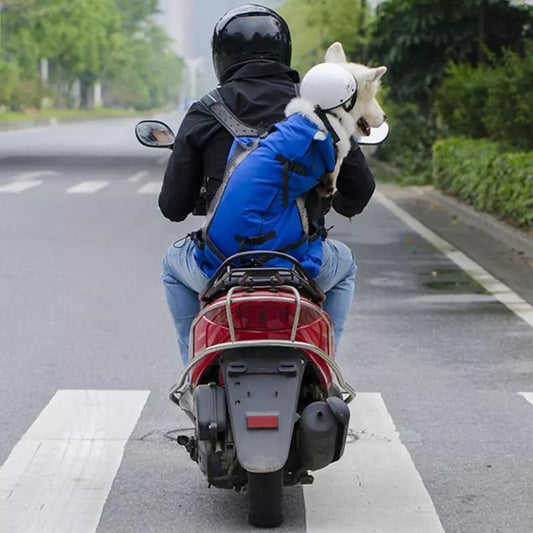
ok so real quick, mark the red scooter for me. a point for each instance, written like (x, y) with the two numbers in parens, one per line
(267, 399)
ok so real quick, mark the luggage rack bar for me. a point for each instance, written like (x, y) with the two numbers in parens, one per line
(182, 385)
(264, 298)
(297, 300)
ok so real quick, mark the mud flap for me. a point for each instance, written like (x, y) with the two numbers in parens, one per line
(262, 390)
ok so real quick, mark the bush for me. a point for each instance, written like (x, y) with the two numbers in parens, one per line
(481, 173)
(9, 75)
(508, 113)
(27, 95)
(408, 147)
(492, 101)
(459, 105)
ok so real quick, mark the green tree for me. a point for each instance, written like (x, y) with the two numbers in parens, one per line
(145, 72)
(114, 42)
(78, 37)
(416, 39)
(316, 24)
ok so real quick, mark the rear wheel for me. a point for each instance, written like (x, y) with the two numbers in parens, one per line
(264, 499)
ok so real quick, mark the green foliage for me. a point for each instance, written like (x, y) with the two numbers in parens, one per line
(115, 42)
(149, 75)
(408, 147)
(77, 35)
(489, 101)
(416, 39)
(481, 173)
(508, 113)
(460, 100)
(9, 75)
(316, 24)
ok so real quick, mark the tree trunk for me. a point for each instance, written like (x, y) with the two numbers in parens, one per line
(482, 31)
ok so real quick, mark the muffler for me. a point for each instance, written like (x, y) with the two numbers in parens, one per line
(323, 428)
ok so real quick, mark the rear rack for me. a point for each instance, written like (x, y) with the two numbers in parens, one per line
(182, 385)
(255, 274)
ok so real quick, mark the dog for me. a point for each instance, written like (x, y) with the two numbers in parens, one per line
(366, 113)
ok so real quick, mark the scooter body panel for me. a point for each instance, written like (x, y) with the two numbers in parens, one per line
(262, 388)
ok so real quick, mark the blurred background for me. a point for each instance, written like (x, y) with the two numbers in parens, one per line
(457, 69)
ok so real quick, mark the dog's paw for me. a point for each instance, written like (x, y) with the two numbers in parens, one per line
(326, 186)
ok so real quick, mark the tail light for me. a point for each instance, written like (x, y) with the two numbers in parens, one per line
(263, 315)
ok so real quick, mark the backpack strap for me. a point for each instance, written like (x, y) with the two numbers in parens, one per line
(214, 103)
(288, 167)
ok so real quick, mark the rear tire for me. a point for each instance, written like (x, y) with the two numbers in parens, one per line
(264, 499)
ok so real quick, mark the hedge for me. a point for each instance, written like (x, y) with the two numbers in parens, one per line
(481, 173)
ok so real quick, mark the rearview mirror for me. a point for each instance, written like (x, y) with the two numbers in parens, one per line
(155, 134)
(377, 135)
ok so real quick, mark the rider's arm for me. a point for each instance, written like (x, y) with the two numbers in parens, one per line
(355, 184)
(184, 174)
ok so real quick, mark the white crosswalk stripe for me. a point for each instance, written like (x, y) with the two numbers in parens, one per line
(58, 476)
(20, 186)
(87, 187)
(377, 486)
(152, 187)
(528, 396)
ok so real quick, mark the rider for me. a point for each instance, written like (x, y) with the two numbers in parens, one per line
(251, 49)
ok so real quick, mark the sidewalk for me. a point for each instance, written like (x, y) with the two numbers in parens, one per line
(506, 252)
(54, 121)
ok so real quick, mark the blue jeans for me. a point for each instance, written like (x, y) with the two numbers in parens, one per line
(183, 281)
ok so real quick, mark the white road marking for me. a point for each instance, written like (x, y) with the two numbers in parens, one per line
(58, 476)
(19, 186)
(152, 187)
(87, 187)
(528, 396)
(500, 291)
(138, 177)
(377, 487)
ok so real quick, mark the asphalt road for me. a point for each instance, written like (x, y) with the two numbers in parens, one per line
(82, 309)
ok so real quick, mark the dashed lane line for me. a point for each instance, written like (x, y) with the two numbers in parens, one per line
(20, 186)
(501, 292)
(25, 176)
(87, 187)
(58, 476)
(138, 177)
(152, 187)
(377, 486)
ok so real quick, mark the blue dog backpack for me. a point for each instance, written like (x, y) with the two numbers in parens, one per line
(260, 203)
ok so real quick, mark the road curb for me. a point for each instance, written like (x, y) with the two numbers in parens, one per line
(514, 237)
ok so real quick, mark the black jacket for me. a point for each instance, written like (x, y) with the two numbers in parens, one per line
(257, 93)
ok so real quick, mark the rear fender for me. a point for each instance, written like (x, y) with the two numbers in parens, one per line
(262, 390)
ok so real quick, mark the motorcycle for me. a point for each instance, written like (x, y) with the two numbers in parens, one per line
(268, 401)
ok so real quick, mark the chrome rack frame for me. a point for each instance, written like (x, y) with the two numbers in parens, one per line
(182, 385)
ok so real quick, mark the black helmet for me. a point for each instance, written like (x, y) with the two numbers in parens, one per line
(249, 32)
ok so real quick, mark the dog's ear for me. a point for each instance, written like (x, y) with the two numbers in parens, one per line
(335, 54)
(378, 73)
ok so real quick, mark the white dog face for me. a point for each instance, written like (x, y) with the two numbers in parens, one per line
(367, 113)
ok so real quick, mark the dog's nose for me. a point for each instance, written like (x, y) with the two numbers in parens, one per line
(384, 116)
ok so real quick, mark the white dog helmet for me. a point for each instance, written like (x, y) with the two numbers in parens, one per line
(329, 85)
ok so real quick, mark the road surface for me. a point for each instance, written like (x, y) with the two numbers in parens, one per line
(442, 430)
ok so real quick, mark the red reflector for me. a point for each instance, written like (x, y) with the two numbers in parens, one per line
(262, 422)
